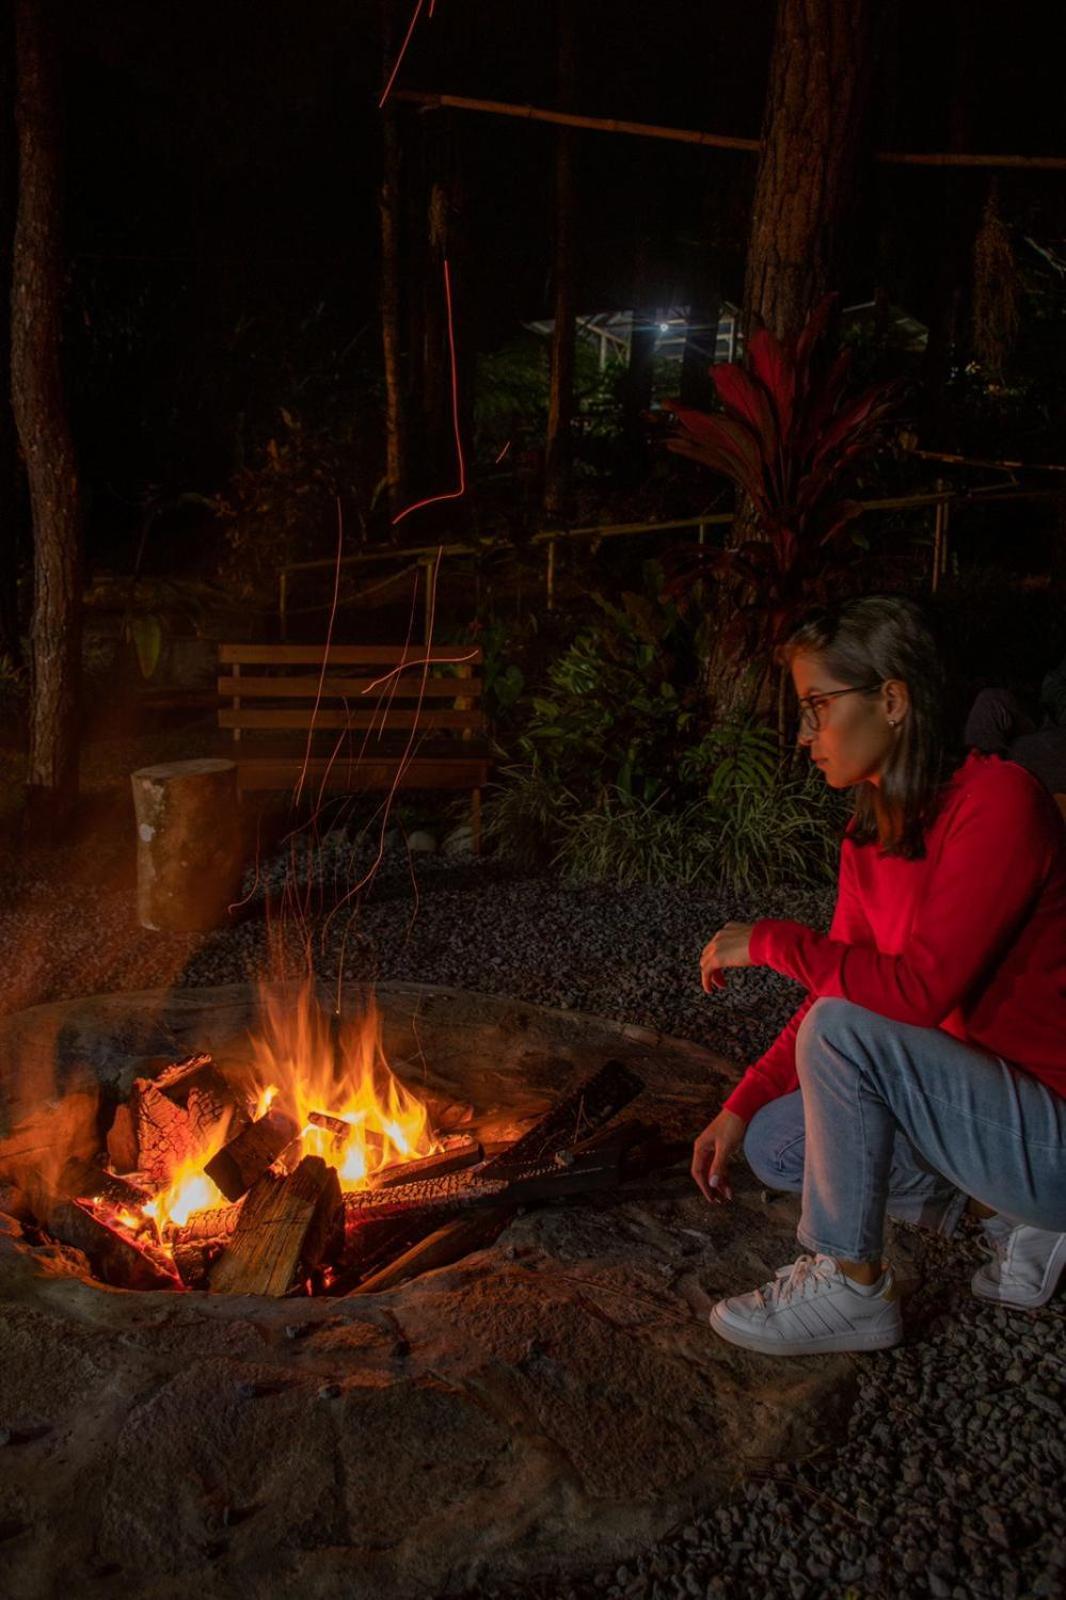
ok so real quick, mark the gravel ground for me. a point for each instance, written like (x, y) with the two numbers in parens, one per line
(949, 1482)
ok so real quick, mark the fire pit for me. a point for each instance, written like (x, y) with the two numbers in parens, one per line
(452, 1328)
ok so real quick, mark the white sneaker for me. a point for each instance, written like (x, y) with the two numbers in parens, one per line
(1025, 1266)
(811, 1307)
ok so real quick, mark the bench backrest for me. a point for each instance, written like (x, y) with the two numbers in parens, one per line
(379, 688)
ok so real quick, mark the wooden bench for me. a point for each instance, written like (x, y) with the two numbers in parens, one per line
(362, 718)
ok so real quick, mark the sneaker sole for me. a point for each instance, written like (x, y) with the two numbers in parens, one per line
(826, 1344)
(987, 1289)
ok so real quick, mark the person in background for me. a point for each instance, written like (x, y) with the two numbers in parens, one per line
(1000, 725)
(925, 1073)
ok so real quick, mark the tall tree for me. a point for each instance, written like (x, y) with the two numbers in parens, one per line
(11, 521)
(391, 212)
(41, 417)
(814, 128)
(561, 397)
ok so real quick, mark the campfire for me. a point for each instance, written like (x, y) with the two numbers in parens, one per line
(320, 1172)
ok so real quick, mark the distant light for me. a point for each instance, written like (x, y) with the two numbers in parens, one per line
(664, 327)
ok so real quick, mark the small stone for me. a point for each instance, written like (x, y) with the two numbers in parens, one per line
(297, 1330)
(938, 1588)
(329, 1391)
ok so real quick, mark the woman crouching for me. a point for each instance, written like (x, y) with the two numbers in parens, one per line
(925, 1073)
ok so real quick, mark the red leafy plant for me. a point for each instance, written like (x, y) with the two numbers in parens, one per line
(788, 431)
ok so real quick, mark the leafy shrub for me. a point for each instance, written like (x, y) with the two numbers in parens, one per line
(784, 831)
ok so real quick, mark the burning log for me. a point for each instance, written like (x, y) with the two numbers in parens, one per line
(244, 1160)
(597, 1165)
(113, 1256)
(591, 1105)
(446, 1245)
(195, 1260)
(162, 1131)
(458, 1152)
(204, 1227)
(334, 1125)
(282, 1231)
(171, 1117)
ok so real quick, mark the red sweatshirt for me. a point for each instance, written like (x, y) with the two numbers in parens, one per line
(971, 939)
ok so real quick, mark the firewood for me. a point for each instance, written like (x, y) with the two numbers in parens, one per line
(456, 1239)
(457, 1152)
(242, 1161)
(194, 1072)
(195, 1260)
(591, 1105)
(551, 1181)
(164, 1138)
(282, 1231)
(114, 1257)
(204, 1227)
(334, 1125)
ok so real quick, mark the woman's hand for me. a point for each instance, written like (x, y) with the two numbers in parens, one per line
(730, 947)
(711, 1153)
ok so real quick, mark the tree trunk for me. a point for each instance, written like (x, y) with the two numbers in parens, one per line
(12, 531)
(814, 128)
(41, 420)
(561, 399)
(391, 338)
(959, 212)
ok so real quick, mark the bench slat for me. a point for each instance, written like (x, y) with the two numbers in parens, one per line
(306, 687)
(363, 775)
(348, 655)
(387, 721)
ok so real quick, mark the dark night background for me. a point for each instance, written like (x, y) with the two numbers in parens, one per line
(222, 173)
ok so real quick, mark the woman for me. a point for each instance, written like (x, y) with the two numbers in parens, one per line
(926, 1071)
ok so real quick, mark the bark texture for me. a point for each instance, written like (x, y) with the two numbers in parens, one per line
(564, 310)
(391, 214)
(41, 418)
(814, 131)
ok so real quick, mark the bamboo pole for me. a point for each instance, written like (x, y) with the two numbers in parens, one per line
(551, 536)
(717, 141)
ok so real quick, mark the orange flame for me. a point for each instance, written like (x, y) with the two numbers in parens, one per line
(346, 1078)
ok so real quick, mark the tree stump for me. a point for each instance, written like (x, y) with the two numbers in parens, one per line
(188, 844)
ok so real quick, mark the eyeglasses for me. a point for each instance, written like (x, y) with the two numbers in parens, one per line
(811, 706)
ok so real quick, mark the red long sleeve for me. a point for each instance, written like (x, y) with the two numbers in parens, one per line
(972, 938)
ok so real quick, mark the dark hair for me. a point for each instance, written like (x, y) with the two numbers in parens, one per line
(871, 640)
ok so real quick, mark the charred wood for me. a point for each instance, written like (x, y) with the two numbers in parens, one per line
(450, 1243)
(114, 1257)
(589, 1107)
(204, 1227)
(241, 1162)
(195, 1259)
(162, 1129)
(457, 1152)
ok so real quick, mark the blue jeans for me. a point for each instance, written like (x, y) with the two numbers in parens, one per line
(905, 1120)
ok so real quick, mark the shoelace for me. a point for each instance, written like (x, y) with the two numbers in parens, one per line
(795, 1279)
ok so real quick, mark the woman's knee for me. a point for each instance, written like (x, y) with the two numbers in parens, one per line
(826, 1023)
(774, 1142)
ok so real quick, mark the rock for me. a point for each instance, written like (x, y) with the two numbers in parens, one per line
(460, 842)
(421, 843)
